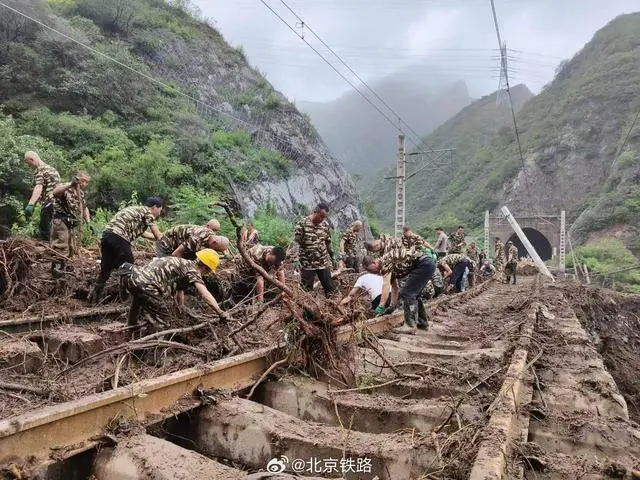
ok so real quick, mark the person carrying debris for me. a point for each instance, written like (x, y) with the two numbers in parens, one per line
(46, 178)
(498, 259)
(441, 242)
(125, 227)
(185, 240)
(311, 250)
(349, 247)
(453, 268)
(415, 268)
(69, 210)
(456, 241)
(370, 283)
(269, 258)
(512, 262)
(168, 276)
(487, 270)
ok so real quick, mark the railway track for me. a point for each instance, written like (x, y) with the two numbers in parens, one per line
(452, 402)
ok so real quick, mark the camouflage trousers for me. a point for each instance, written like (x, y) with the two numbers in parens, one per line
(64, 240)
(499, 273)
(147, 310)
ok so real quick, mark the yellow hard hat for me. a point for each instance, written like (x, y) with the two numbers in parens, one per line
(209, 257)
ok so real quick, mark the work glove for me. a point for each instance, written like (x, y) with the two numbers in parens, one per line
(379, 310)
(28, 210)
(296, 265)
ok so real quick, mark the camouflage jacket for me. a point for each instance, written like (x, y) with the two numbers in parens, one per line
(412, 241)
(398, 260)
(193, 237)
(350, 239)
(452, 260)
(257, 253)
(512, 254)
(49, 178)
(454, 240)
(131, 222)
(499, 253)
(312, 244)
(387, 243)
(166, 275)
(69, 204)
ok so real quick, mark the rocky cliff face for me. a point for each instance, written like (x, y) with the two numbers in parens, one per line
(221, 78)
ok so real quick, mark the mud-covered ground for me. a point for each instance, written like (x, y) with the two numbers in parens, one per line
(613, 321)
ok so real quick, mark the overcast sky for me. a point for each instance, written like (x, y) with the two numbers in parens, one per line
(456, 39)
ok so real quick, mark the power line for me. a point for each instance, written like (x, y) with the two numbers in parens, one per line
(330, 64)
(385, 104)
(508, 88)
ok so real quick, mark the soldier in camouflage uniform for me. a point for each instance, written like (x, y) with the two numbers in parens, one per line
(498, 259)
(416, 269)
(46, 178)
(269, 258)
(349, 247)
(311, 250)
(168, 276)
(185, 240)
(453, 268)
(382, 244)
(69, 210)
(456, 241)
(413, 240)
(125, 227)
(512, 262)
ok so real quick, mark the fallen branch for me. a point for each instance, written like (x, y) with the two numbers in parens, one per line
(23, 388)
(264, 375)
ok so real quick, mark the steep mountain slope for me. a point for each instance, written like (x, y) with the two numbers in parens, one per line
(233, 136)
(362, 139)
(474, 127)
(570, 133)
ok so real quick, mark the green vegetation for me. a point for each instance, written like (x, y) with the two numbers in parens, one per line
(80, 110)
(606, 258)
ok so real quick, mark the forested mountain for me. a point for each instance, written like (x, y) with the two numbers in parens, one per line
(154, 101)
(362, 139)
(580, 151)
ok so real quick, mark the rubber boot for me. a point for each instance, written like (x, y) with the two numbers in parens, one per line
(57, 269)
(410, 320)
(423, 316)
(96, 294)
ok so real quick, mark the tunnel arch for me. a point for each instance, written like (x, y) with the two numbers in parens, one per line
(539, 242)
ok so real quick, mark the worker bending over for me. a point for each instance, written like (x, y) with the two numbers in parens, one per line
(453, 268)
(185, 240)
(371, 284)
(168, 276)
(416, 269)
(269, 258)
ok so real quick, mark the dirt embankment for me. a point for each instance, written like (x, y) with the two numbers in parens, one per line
(613, 321)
